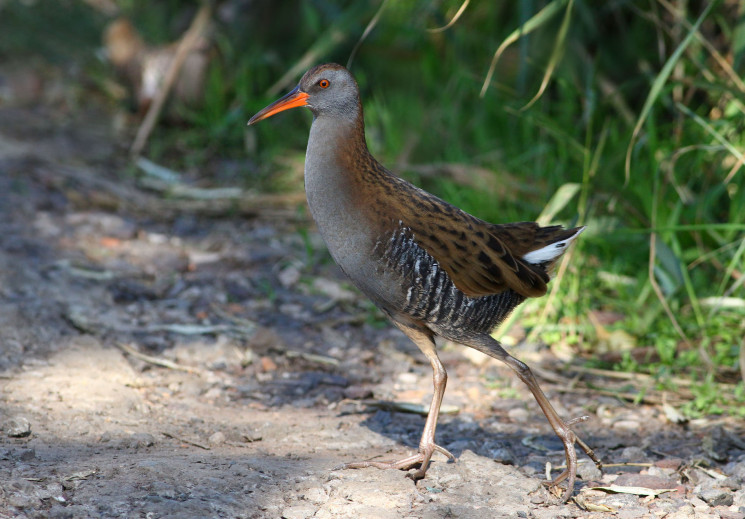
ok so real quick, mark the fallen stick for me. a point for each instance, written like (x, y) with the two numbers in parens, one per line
(164, 363)
(188, 41)
(184, 440)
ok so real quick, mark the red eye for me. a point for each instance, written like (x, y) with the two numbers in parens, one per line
(324, 83)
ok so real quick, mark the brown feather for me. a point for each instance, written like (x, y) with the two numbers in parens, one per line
(480, 258)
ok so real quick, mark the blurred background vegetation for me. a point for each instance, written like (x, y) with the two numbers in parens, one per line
(625, 116)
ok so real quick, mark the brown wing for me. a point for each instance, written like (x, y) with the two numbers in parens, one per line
(480, 258)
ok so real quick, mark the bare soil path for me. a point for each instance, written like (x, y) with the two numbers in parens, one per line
(257, 370)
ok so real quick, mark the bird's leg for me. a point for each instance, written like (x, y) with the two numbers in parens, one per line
(491, 347)
(424, 340)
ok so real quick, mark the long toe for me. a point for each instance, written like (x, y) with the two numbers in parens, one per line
(420, 461)
(569, 438)
(556, 482)
(402, 464)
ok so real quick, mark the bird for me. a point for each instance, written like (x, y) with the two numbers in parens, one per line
(432, 268)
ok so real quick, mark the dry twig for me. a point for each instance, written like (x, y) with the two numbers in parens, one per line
(188, 42)
(184, 440)
(163, 363)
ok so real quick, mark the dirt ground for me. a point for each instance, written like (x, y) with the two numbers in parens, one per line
(183, 365)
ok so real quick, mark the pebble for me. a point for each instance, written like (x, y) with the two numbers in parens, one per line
(631, 512)
(216, 439)
(686, 511)
(588, 472)
(633, 454)
(267, 364)
(22, 500)
(627, 425)
(50, 491)
(18, 427)
(716, 496)
(518, 415)
(141, 440)
(503, 455)
(289, 276)
(315, 495)
(408, 379)
(669, 463)
(357, 392)
(26, 454)
(727, 513)
(62, 512)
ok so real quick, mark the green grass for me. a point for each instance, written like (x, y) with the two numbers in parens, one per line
(642, 109)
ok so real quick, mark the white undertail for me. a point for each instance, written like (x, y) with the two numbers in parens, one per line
(551, 251)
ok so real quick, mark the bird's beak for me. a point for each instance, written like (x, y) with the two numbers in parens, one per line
(293, 99)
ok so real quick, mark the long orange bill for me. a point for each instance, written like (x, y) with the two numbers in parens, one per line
(293, 99)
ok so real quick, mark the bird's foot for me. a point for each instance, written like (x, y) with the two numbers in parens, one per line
(420, 460)
(569, 438)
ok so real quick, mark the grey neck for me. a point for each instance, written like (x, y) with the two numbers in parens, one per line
(332, 185)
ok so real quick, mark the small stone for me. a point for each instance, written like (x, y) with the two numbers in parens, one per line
(669, 463)
(726, 513)
(289, 276)
(298, 512)
(460, 445)
(20, 500)
(537, 499)
(141, 440)
(216, 439)
(315, 495)
(684, 512)
(50, 491)
(503, 455)
(213, 393)
(61, 512)
(26, 454)
(357, 392)
(408, 379)
(717, 496)
(631, 512)
(633, 454)
(518, 415)
(589, 472)
(626, 425)
(450, 479)
(18, 427)
(267, 364)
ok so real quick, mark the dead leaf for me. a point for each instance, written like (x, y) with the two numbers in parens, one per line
(591, 507)
(639, 491)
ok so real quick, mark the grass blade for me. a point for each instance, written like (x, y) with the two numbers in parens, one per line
(558, 202)
(712, 131)
(458, 14)
(555, 55)
(540, 18)
(366, 32)
(659, 83)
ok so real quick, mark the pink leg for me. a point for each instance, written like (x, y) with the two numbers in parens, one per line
(491, 347)
(424, 340)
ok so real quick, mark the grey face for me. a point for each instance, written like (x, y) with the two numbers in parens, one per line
(331, 90)
(328, 90)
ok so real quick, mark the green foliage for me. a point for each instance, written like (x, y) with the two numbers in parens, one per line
(57, 32)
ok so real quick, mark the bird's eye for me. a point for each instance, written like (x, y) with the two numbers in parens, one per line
(324, 83)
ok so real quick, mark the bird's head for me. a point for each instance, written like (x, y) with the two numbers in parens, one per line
(327, 90)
